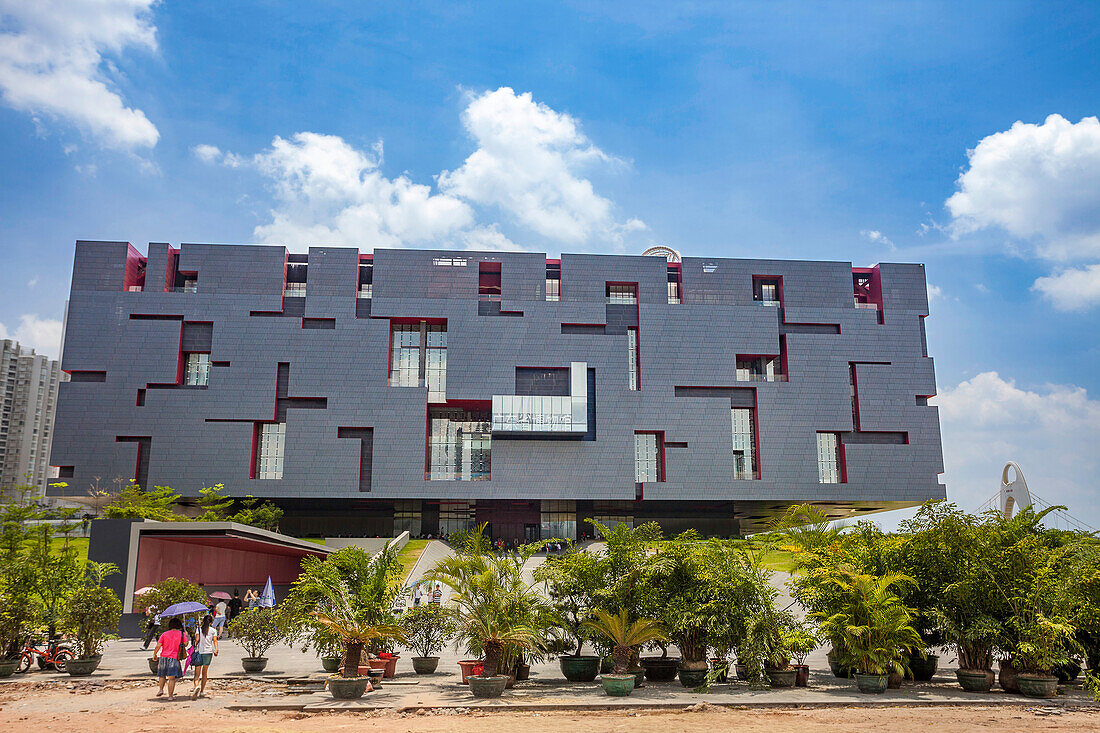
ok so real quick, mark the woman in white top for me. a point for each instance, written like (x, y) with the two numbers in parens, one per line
(206, 648)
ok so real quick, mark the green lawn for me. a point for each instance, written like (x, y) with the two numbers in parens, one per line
(408, 556)
(79, 543)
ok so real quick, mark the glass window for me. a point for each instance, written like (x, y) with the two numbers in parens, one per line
(765, 291)
(449, 261)
(553, 289)
(459, 445)
(405, 356)
(744, 443)
(455, 516)
(673, 291)
(559, 519)
(190, 285)
(406, 517)
(366, 290)
(269, 453)
(197, 370)
(622, 294)
(632, 356)
(409, 341)
(828, 458)
(760, 369)
(647, 466)
(295, 290)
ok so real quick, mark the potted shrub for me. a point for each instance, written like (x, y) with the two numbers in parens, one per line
(169, 592)
(625, 636)
(873, 627)
(15, 618)
(1042, 647)
(801, 641)
(345, 620)
(428, 628)
(572, 581)
(257, 630)
(91, 614)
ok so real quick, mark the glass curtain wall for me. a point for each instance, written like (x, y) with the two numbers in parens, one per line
(459, 445)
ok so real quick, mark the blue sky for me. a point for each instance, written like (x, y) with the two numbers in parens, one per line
(864, 132)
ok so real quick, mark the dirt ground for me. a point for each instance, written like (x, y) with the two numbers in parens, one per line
(893, 720)
(129, 707)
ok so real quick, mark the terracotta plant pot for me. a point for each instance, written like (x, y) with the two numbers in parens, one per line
(254, 664)
(487, 687)
(347, 688)
(975, 680)
(391, 665)
(523, 672)
(871, 683)
(82, 667)
(330, 664)
(579, 668)
(425, 665)
(1037, 685)
(660, 669)
(781, 677)
(802, 679)
(923, 668)
(467, 667)
(617, 685)
(1007, 676)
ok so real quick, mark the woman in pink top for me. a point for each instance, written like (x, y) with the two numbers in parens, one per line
(168, 652)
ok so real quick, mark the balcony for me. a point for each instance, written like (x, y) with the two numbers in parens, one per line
(532, 415)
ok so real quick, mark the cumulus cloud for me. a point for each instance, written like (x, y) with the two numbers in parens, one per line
(1072, 290)
(1039, 183)
(934, 292)
(329, 192)
(53, 62)
(1051, 431)
(41, 334)
(529, 163)
(877, 237)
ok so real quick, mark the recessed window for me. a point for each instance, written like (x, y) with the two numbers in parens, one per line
(829, 464)
(449, 261)
(675, 296)
(648, 459)
(418, 356)
(744, 442)
(459, 445)
(619, 294)
(366, 290)
(269, 450)
(760, 369)
(196, 371)
(766, 291)
(632, 358)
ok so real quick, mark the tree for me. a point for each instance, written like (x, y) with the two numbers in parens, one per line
(573, 582)
(134, 502)
(428, 628)
(170, 591)
(214, 503)
(265, 516)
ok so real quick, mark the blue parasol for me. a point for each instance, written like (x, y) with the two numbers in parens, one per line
(179, 609)
(267, 598)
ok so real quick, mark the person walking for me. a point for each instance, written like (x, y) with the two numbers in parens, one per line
(416, 595)
(206, 648)
(152, 625)
(437, 594)
(219, 617)
(170, 647)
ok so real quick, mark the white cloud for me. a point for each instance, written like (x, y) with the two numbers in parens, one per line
(328, 192)
(1052, 432)
(529, 164)
(207, 153)
(877, 237)
(934, 292)
(41, 334)
(1039, 183)
(32, 282)
(1072, 290)
(52, 62)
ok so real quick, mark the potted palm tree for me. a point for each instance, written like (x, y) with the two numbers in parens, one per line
(428, 628)
(873, 627)
(572, 581)
(626, 637)
(1042, 647)
(341, 617)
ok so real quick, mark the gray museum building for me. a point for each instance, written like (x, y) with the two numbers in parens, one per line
(368, 394)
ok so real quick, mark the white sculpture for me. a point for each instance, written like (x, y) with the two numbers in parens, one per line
(1014, 493)
(661, 250)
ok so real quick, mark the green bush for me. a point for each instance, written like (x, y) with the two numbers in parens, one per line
(428, 628)
(258, 629)
(92, 614)
(171, 591)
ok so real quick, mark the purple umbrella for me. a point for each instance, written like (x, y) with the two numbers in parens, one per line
(179, 609)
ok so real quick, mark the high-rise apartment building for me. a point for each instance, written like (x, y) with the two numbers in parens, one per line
(431, 390)
(28, 400)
